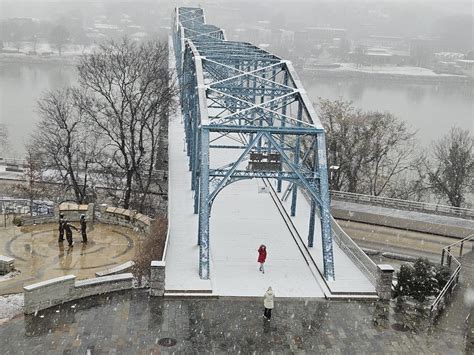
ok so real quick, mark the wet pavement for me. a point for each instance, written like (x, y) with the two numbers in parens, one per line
(131, 322)
(39, 256)
(457, 309)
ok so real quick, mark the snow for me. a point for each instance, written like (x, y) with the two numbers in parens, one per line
(10, 306)
(9, 276)
(348, 277)
(241, 220)
(389, 69)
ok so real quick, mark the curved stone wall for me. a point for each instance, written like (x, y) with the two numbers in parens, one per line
(63, 289)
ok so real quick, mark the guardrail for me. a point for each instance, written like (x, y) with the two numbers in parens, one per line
(357, 255)
(13, 161)
(25, 206)
(449, 259)
(404, 204)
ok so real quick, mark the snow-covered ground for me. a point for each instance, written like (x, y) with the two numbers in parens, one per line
(43, 48)
(348, 277)
(9, 276)
(241, 220)
(389, 70)
(10, 306)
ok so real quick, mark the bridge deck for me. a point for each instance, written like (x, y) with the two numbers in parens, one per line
(241, 220)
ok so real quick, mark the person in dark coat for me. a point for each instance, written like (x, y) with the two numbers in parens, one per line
(83, 228)
(61, 228)
(262, 256)
(68, 230)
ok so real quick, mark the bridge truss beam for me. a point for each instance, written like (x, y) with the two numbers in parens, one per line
(241, 99)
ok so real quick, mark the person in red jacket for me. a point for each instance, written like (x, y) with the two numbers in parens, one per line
(262, 256)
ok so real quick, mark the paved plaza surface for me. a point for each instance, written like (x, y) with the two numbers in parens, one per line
(39, 256)
(133, 323)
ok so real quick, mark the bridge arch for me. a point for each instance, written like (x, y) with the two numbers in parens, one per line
(236, 97)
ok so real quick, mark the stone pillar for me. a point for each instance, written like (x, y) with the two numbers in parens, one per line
(157, 278)
(90, 212)
(101, 213)
(384, 281)
(7, 264)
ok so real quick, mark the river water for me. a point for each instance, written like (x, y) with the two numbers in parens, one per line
(429, 109)
(21, 85)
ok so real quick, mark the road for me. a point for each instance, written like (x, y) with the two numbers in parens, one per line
(396, 240)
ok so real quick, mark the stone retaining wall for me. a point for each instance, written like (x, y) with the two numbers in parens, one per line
(122, 217)
(100, 213)
(63, 289)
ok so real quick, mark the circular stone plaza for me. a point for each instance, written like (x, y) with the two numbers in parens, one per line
(38, 255)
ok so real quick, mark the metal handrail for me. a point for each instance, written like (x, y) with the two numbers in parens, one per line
(358, 256)
(365, 264)
(405, 204)
(453, 280)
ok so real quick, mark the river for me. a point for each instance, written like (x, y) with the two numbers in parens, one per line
(429, 109)
(21, 85)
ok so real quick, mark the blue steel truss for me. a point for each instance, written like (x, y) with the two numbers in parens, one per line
(243, 100)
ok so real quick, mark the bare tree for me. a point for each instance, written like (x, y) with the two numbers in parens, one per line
(370, 148)
(3, 139)
(127, 92)
(150, 247)
(450, 171)
(34, 187)
(389, 153)
(346, 144)
(64, 143)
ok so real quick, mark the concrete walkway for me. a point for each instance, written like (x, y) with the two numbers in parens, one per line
(134, 323)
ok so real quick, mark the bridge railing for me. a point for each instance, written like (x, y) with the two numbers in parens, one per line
(404, 204)
(352, 250)
(450, 257)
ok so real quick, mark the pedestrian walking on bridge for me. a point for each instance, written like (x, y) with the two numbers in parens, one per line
(262, 256)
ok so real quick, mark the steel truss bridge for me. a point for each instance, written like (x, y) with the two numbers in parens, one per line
(241, 101)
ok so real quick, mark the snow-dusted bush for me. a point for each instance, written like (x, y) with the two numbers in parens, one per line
(422, 280)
